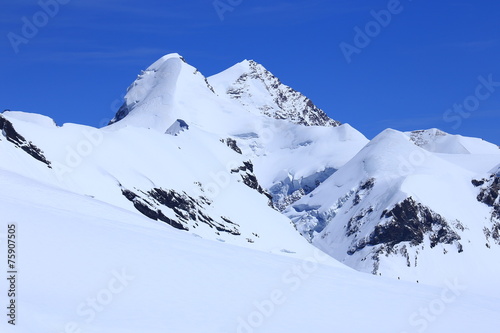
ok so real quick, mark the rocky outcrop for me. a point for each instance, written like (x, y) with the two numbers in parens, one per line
(411, 222)
(287, 103)
(231, 143)
(490, 195)
(9, 132)
(188, 211)
(250, 180)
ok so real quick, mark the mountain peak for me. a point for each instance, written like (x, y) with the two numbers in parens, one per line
(248, 82)
(171, 89)
(151, 100)
(165, 58)
(252, 67)
(437, 141)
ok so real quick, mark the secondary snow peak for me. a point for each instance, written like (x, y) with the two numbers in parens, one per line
(258, 90)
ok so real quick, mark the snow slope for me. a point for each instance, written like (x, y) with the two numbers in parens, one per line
(210, 191)
(437, 141)
(398, 210)
(171, 89)
(87, 266)
(111, 166)
(172, 155)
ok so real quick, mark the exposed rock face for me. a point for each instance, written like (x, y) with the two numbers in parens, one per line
(490, 192)
(409, 221)
(250, 180)
(490, 195)
(311, 220)
(122, 112)
(146, 209)
(287, 103)
(188, 211)
(363, 190)
(423, 138)
(10, 133)
(372, 230)
(407, 225)
(231, 143)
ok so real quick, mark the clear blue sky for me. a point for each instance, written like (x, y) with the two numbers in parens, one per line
(78, 64)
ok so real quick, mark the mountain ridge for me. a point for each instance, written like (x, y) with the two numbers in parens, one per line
(241, 158)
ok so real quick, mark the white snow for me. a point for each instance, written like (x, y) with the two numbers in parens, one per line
(77, 231)
(401, 169)
(72, 247)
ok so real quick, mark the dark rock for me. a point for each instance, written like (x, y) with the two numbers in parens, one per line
(122, 112)
(355, 223)
(186, 208)
(490, 195)
(409, 222)
(231, 143)
(289, 103)
(248, 165)
(8, 130)
(363, 190)
(148, 211)
(477, 183)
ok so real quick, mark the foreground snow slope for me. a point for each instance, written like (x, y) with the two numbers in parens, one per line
(87, 266)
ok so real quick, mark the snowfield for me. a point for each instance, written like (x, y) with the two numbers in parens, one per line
(87, 266)
(234, 204)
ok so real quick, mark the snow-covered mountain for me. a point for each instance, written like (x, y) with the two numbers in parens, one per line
(419, 206)
(180, 153)
(172, 90)
(194, 172)
(260, 91)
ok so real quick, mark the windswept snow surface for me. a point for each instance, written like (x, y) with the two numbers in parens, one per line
(87, 266)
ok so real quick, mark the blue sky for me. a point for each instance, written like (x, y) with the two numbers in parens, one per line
(423, 64)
